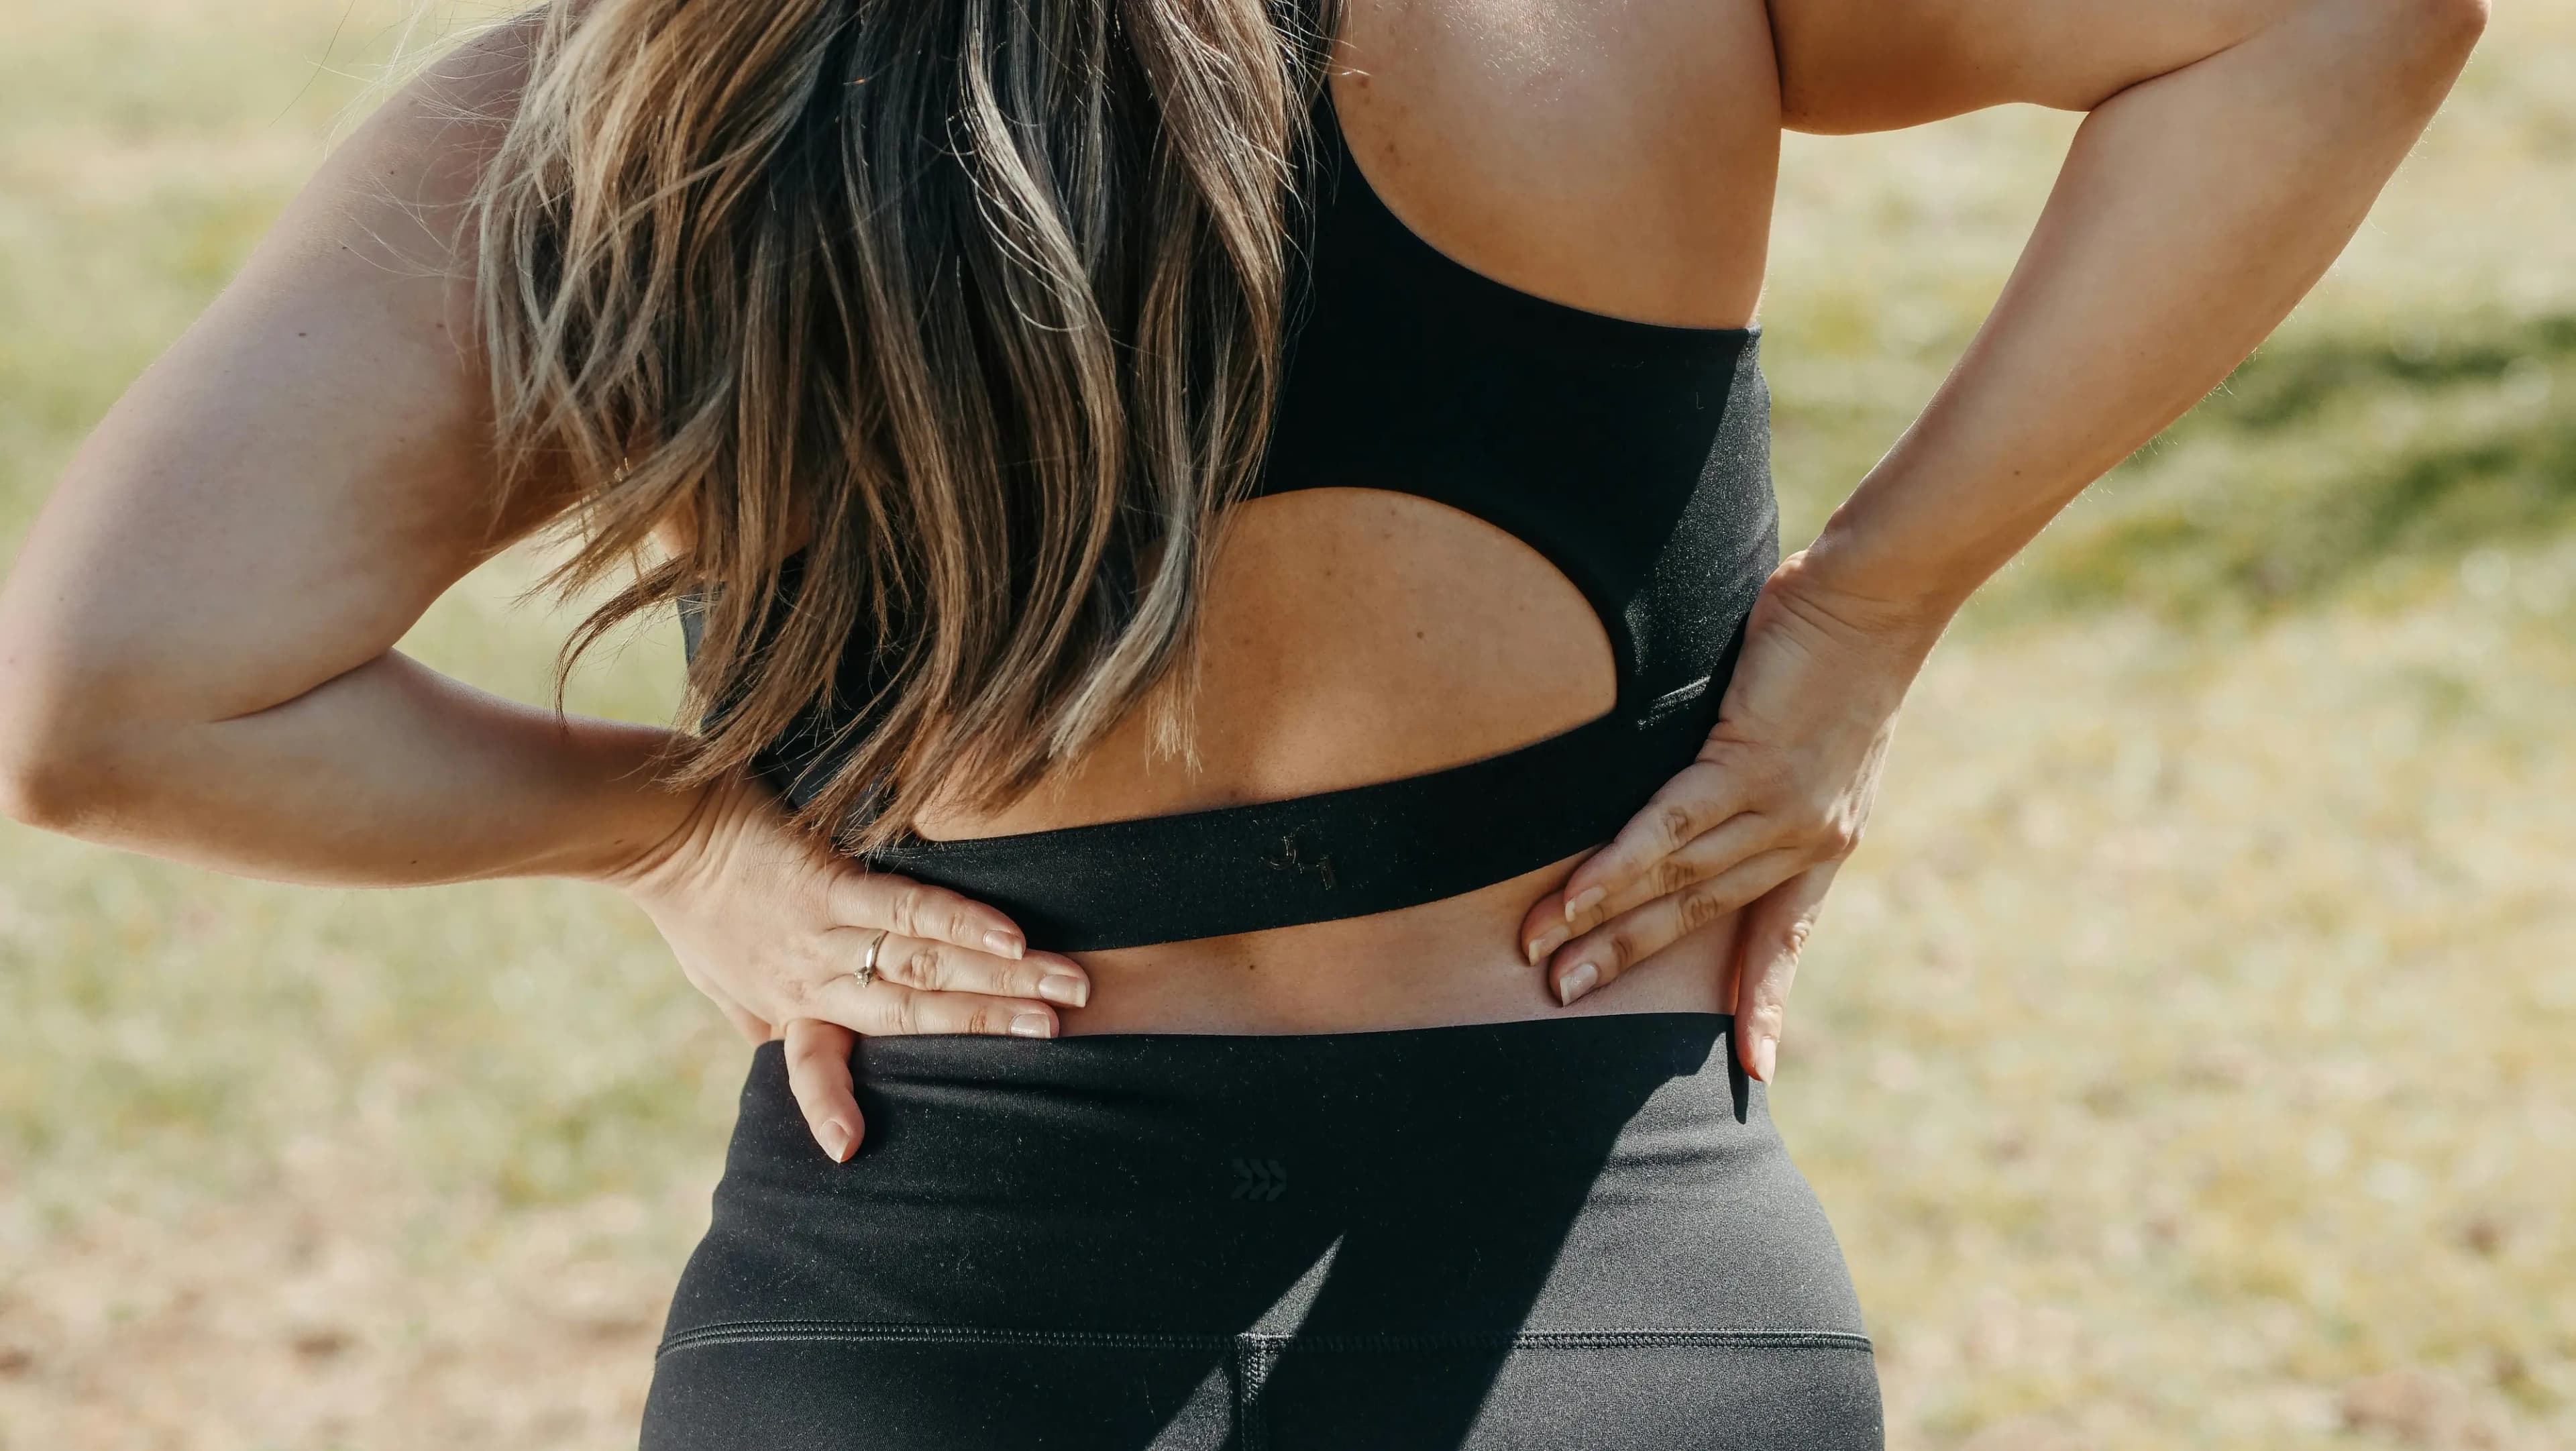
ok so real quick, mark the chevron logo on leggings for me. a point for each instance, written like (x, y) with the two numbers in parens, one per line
(1259, 1179)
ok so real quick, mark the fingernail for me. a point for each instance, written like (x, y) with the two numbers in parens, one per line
(1576, 983)
(1032, 1025)
(1584, 901)
(1545, 943)
(1766, 1054)
(1065, 988)
(836, 1141)
(1004, 944)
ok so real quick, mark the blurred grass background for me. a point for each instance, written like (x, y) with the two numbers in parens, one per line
(2189, 1060)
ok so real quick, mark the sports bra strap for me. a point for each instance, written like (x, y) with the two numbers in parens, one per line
(1633, 457)
(1332, 854)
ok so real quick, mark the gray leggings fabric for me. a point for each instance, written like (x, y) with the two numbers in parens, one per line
(1574, 1232)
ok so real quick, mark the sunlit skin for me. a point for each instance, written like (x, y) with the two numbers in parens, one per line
(196, 641)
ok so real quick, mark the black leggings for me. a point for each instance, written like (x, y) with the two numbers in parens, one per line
(1577, 1232)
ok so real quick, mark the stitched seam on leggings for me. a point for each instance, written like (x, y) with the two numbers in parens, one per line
(1253, 1357)
(732, 1332)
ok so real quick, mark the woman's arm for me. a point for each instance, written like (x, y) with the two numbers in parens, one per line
(197, 640)
(2232, 148)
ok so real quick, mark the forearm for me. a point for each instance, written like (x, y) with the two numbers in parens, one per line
(389, 774)
(2193, 211)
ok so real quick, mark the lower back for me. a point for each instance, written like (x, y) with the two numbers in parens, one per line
(1456, 960)
(1353, 636)
(1356, 635)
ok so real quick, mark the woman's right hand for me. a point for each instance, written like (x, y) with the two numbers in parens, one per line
(773, 925)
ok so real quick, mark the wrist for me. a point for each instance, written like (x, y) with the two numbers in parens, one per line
(631, 820)
(633, 856)
(1892, 568)
(1828, 587)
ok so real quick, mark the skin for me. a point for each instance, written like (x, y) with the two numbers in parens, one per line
(196, 642)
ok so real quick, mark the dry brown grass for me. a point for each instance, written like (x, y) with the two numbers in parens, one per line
(2186, 1061)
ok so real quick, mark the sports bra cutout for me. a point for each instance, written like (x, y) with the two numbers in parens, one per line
(1633, 456)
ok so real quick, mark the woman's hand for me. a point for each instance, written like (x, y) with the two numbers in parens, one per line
(1762, 819)
(774, 924)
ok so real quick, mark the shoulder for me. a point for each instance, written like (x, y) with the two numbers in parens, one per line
(399, 184)
(352, 325)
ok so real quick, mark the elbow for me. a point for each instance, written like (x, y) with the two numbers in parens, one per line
(2448, 28)
(2459, 22)
(46, 779)
(53, 768)
(42, 791)
(2428, 38)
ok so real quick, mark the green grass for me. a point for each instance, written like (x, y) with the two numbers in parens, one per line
(2185, 1062)
(2332, 463)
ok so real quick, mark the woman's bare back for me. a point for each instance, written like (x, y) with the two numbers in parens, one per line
(1620, 160)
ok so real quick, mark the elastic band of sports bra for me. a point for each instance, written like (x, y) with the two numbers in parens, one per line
(1332, 854)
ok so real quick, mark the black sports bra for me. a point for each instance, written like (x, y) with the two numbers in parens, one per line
(1634, 456)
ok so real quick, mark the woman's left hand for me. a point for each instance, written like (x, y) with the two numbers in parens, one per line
(1762, 819)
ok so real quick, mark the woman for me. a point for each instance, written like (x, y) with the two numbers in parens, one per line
(1235, 541)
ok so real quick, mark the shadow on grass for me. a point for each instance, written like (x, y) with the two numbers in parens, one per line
(2289, 386)
(2275, 491)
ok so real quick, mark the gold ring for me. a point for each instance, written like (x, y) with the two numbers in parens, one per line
(866, 971)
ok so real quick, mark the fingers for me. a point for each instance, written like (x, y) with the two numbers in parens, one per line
(885, 1008)
(1740, 797)
(1704, 795)
(919, 910)
(1598, 957)
(1553, 921)
(818, 1074)
(936, 969)
(943, 967)
(1774, 931)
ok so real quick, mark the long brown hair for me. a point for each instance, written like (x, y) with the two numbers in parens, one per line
(972, 307)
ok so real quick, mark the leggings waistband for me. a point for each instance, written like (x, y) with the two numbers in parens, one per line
(1609, 1172)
